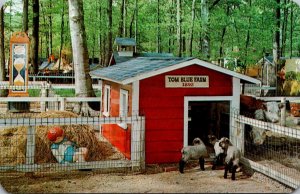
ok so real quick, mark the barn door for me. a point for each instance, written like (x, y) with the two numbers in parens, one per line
(208, 117)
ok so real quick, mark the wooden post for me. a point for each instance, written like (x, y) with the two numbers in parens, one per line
(30, 146)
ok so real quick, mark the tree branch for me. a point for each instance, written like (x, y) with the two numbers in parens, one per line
(214, 4)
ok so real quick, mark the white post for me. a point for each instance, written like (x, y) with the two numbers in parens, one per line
(43, 94)
(234, 134)
(62, 103)
(30, 146)
(56, 103)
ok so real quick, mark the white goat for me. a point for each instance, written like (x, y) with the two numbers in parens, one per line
(196, 151)
(219, 152)
(233, 156)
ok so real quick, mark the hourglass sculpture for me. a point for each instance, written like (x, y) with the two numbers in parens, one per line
(19, 80)
(18, 70)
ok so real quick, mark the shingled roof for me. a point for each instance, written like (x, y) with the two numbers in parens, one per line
(125, 41)
(144, 67)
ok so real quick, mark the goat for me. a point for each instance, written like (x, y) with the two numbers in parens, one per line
(196, 151)
(233, 156)
(219, 152)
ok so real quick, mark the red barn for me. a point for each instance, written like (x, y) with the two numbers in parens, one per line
(181, 98)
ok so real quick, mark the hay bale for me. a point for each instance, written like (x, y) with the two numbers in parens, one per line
(13, 141)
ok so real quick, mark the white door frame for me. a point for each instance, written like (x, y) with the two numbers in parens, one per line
(188, 99)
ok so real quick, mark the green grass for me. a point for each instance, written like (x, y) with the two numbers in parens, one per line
(34, 92)
(65, 92)
(60, 92)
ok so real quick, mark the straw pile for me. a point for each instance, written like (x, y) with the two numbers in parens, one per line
(13, 141)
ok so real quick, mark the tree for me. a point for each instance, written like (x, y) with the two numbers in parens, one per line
(179, 33)
(276, 43)
(192, 28)
(3, 93)
(158, 37)
(204, 24)
(83, 81)
(109, 36)
(25, 16)
(35, 36)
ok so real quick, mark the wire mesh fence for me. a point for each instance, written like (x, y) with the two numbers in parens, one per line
(270, 148)
(26, 144)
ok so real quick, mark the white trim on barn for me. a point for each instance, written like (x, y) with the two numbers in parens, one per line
(235, 106)
(187, 99)
(135, 97)
(188, 63)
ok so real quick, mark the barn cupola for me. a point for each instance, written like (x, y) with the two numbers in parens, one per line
(125, 46)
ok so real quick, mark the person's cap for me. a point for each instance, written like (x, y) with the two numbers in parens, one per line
(54, 133)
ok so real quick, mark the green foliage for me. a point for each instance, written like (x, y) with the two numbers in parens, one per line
(238, 18)
(291, 75)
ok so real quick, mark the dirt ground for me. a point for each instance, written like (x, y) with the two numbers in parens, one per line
(156, 179)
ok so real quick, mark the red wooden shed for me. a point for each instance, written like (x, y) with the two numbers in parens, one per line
(181, 98)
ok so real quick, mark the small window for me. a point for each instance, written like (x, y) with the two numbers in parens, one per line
(123, 107)
(123, 103)
(106, 101)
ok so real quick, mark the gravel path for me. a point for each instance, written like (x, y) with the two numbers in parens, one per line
(192, 181)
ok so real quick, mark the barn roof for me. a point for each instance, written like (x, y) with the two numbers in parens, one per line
(121, 59)
(143, 67)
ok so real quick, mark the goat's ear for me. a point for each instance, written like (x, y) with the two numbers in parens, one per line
(227, 140)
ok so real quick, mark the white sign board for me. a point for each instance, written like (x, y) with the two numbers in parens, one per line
(186, 81)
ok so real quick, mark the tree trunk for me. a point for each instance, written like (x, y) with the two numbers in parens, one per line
(35, 36)
(171, 27)
(109, 36)
(50, 29)
(291, 31)
(205, 35)
(3, 93)
(179, 33)
(61, 34)
(136, 24)
(158, 37)
(25, 16)
(83, 81)
(248, 37)
(221, 50)
(101, 58)
(121, 23)
(192, 28)
(276, 43)
(46, 32)
(284, 28)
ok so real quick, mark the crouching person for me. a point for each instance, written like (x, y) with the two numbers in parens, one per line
(195, 152)
(233, 156)
(63, 150)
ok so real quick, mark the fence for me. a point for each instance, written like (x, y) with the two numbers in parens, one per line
(278, 153)
(24, 146)
(258, 90)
